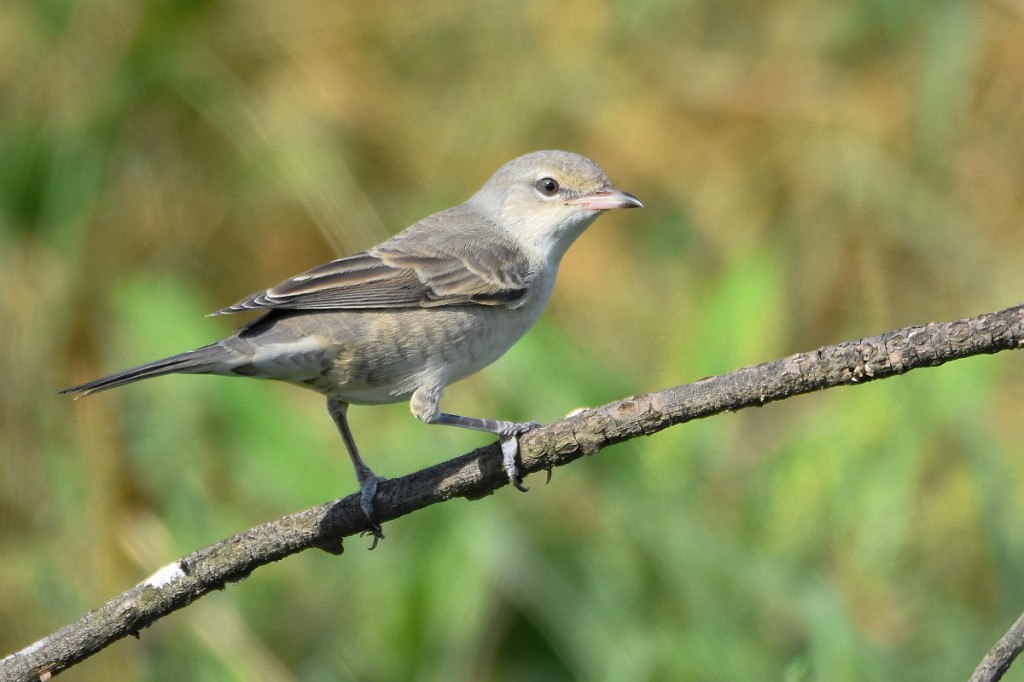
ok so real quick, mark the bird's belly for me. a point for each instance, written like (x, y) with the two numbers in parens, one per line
(386, 356)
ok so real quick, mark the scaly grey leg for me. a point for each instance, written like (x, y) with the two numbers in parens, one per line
(364, 474)
(425, 404)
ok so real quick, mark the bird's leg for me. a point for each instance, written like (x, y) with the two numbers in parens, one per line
(508, 436)
(364, 475)
(425, 405)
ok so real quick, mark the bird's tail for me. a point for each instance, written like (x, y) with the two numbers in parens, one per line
(198, 361)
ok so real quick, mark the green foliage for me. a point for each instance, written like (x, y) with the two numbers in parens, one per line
(811, 173)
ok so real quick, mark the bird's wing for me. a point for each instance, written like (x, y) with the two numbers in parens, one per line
(405, 272)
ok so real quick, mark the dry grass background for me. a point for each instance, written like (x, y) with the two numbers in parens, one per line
(813, 172)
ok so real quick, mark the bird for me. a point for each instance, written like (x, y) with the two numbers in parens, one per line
(433, 304)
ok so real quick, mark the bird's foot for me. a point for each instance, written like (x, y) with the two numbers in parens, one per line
(367, 493)
(508, 436)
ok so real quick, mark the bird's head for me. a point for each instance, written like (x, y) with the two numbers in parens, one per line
(546, 199)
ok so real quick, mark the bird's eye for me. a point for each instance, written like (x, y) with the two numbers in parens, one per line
(547, 186)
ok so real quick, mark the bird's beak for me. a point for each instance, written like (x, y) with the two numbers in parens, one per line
(604, 199)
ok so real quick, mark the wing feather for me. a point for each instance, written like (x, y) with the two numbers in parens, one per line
(459, 265)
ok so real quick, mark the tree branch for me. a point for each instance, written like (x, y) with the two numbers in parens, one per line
(999, 658)
(479, 473)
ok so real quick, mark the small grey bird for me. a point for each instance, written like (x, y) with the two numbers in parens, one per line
(437, 302)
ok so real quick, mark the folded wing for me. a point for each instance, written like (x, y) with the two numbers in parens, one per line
(397, 274)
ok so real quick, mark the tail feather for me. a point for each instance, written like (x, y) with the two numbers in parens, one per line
(195, 361)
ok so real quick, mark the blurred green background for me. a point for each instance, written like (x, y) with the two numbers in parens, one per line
(813, 172)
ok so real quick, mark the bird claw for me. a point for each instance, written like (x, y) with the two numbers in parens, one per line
(509, 439)
(367, 493)
(376, 531)
(509, 450)
(517, 428)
